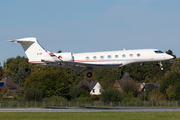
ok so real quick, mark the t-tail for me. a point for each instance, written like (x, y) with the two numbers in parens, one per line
(34, 51)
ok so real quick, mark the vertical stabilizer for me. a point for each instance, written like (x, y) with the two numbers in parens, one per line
(32, 48)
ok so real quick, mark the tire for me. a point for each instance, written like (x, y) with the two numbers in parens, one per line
(89, 74)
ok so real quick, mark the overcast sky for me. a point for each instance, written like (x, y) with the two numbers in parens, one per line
(90, 25)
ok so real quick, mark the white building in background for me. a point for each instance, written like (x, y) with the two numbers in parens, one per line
(92, 86)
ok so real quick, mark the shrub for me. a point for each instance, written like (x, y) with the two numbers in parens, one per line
(95, 97)
(33, 94)
(155, 95)
(111, 95)
(75, 92)
(129, 87)
(83, 99)
(55, 99)
(129, 97)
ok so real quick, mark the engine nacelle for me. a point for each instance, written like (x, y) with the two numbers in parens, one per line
(65, 56)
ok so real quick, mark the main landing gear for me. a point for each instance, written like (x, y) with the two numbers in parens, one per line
(89, 74)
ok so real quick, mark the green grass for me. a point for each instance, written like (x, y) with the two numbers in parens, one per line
(90, 116)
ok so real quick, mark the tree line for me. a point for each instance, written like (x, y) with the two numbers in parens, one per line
(42, 82)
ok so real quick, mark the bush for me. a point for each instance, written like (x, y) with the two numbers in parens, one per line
(155, 95)
(129, 97)
(170, 78)
(83, 99)
(111, 95)
(130, 86)
(95, 97)
(85, 93)
(75, 92)
(55, 99)
(33, 94)
(177, 92)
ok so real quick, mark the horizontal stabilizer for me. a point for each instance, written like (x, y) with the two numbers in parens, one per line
(29, 39)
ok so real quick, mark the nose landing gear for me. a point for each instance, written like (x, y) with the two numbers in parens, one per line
(161, 65)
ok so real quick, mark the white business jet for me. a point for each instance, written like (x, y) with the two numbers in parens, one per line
(90, 60)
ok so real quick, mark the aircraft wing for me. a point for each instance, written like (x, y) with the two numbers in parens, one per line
(69, 65)
(80, 66)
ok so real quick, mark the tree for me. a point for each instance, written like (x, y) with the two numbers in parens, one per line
(147, 92)
(12, 66)
(33, 94)
(111, 95)
(177, 92)
(20, 77)
(75, 92)
(170, 91)
(171, 53)
(155, 95)
(130, 86)
(1, 72)
(176, 65)
(171, 78)
(55, 82)
(105, 77)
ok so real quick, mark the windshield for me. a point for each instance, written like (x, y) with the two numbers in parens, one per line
(158, 51)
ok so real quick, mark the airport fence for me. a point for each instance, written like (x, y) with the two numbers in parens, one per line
(60, 104)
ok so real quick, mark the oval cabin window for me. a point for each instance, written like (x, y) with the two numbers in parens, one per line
(138, 55)
(123, 55)
(109, 56)
(102, 57)
(94, 57)
(87, 58)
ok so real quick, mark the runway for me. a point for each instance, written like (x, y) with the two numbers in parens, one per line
(90, 110)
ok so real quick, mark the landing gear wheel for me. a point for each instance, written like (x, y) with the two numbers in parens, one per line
(89, 74)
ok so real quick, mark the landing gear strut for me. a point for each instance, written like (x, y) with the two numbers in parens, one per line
(161, 65)
(89, 74)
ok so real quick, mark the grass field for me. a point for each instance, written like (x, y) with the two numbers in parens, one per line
(90, 116)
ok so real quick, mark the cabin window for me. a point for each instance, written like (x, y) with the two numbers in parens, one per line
(102, 57)
(87, 58)
(109, 56)
(94, 57)
(123, 55)
(138, 55)
(116, 56)
(131, 55)
(158, 51)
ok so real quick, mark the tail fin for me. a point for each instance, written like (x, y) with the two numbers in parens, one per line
(32, 48)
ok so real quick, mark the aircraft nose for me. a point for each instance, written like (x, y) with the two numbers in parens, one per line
(170, 57)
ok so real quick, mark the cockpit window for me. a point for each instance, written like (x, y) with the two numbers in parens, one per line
(158, 51)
